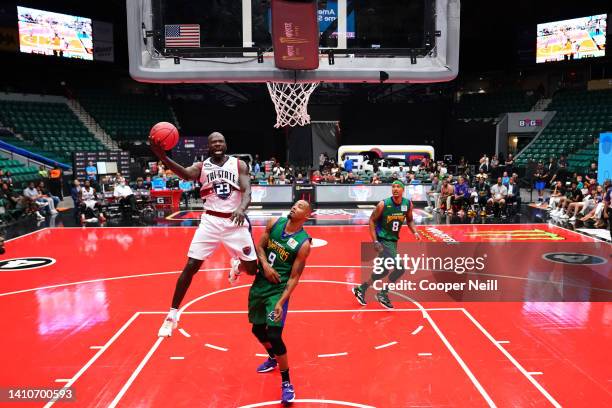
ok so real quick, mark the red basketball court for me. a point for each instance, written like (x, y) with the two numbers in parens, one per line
(89, 320)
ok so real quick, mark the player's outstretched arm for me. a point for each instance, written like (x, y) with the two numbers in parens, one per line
(296, 273)
(268, 272)
(244, 181)
(191, 173)
(374, 217)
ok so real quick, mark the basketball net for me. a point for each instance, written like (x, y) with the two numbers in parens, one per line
(291, 102)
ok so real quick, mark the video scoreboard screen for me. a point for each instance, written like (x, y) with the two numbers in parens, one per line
(583, 37)
(103, 161)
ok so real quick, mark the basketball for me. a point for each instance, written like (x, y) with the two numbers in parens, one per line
(165, 134)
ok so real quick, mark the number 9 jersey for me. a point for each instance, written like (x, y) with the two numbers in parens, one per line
(392, 218)
(220, 188)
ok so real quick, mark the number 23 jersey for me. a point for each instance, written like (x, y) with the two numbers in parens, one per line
(220, 187)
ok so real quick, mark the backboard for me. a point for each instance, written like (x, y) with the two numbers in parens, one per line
(395, 41)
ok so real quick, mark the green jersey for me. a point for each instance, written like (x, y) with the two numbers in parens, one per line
(392, 218)
(281, 252)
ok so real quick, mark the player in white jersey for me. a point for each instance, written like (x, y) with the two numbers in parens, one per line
(226, 191)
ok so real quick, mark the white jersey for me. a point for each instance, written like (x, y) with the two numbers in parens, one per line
(220, 187)
(88, 195)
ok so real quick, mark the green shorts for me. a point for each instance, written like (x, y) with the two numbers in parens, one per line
(389, 248)
(261, 308)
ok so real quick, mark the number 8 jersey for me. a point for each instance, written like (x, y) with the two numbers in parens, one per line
(392, 218)
(220, 187)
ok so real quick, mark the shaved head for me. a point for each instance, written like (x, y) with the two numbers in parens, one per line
(215, 134)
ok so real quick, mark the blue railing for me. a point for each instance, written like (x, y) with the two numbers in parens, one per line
(33, 156)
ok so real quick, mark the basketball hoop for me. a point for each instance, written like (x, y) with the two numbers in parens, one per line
(291, 102)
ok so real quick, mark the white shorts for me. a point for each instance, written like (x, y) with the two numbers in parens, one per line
(213, 231)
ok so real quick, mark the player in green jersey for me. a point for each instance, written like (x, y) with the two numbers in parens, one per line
(282, 253)
(385, 225)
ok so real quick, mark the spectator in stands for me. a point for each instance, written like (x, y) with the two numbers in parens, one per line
(582, 207)
(596, 214)
(579, 182)
(7, 178)
(573, 195)
(505, 179)
(256, 167)
(482, 193)
(509, 163)
(124, 193)
(89, 208)
(462, 165)
(446, 194)
(484, 163)
(411, 179)
(42, 172)
(348, 164)
(597, 196)
(19, 203)
(550, 171)
(591, 175)
(401, 175)
(161, 169)
(148, 182)
(75, 193)
(281, 180)
(540, 181)
(555, 197)
(300, 179)
(322, 159)
(433, 194)
(499, 193)
(376, 179)
(277, 170)
(44, 191)
(460, 195)
(44, 203)
(514, 193)
(442, 170)
(494, 166)
(140, 184)
(351, 178)
(432, 168)
(289, 170)
(55, 181)
(92, 172)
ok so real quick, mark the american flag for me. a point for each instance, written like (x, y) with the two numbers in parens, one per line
(182, 35)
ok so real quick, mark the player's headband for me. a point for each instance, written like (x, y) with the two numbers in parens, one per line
(399, 183)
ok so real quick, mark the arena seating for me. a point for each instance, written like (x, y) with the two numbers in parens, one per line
(488, 106)
(50, 127)
(581, 116)
(10, 138)
(20, 173)
(581, 160)
(125, 117)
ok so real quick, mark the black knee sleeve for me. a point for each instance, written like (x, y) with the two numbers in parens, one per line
(395, 275)
(259, 331)
(276, 340)
(380, 276)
